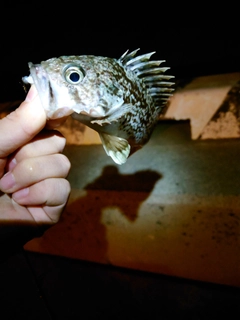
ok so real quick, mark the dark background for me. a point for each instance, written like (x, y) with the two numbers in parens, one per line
(39, 286)
(33, 31)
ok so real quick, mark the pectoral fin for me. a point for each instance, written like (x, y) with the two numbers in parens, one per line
(114, 114)
(117, 148)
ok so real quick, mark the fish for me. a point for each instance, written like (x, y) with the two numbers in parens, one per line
(121, 99)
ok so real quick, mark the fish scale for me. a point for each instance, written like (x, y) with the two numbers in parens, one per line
(121, 99)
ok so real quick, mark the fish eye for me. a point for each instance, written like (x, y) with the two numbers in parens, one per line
(73, 74)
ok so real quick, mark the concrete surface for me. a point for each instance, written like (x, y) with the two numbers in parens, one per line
(202, 100)
(172, 209)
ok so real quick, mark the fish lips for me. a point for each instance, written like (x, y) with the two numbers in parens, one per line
(41, 81)
(39, 77)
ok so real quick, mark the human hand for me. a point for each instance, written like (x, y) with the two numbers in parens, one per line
(33, 188)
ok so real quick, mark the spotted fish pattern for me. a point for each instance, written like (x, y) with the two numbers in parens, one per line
(121, 99)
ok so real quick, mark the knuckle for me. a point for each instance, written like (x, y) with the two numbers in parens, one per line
(65, 163)
(68, 187)
(59, 140)
(66, 190)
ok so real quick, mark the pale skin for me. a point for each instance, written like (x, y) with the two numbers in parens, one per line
(33, 170)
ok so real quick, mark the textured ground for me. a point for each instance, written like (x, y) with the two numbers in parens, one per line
(40, 286)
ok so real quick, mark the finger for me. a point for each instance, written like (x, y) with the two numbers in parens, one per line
(32, 170)
(20, 126)
(45, 200)
(45, 215)
(45, 143)
(51, 192)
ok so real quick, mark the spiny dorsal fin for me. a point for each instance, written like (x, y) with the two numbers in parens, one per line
(127, 56)
(152, 75)
(117, 148)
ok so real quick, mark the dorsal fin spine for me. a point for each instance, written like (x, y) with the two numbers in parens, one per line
(157, 84)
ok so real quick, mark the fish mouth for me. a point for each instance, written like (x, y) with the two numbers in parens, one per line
(42, 83)
(39, 77)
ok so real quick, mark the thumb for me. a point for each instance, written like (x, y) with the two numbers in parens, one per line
(20, 126)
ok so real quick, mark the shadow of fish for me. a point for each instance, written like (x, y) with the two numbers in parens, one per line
(120, 99)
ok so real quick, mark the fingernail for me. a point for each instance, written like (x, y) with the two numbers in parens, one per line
(12, 164)
(31, 94)
(7, 181)
(20, 194)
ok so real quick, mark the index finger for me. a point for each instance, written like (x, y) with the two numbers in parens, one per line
(20, 126)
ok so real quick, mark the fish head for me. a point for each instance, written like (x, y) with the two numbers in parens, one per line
(81, 84)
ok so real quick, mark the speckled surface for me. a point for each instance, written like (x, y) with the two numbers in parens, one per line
(173, 208)
(211, 103)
